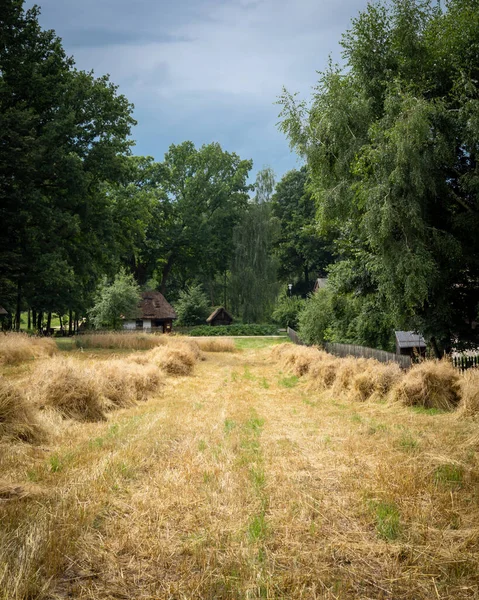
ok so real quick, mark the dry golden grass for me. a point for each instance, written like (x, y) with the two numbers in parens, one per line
(121, 341)
(375, 381)
(19, 347)
(17, 416)
(216, 344)
(430, 384)
(469, 404)
(174, 359)
(252, 490)
(69, 387)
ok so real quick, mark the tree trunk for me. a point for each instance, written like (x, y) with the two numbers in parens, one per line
(61, 324)
(435, 347)
(40, 322)
(76, 322)
(166, 272)
(29, 326)
(70, 322)
(34, 318)
(49, 322)
(18, 314)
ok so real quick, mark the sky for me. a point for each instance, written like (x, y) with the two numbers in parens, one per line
(205, 70)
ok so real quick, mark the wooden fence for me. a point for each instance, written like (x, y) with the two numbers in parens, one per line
(344, 350)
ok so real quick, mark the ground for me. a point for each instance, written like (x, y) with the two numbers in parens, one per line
(238, 482)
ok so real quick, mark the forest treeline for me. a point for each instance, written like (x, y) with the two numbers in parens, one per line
(386, 205)
(77, 205)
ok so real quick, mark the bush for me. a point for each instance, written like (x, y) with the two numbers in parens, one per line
(287, 311)
(192, 307)
(227, 330)
(122, 297)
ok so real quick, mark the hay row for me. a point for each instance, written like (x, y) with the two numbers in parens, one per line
(88, 390)
(19, 347)
(430, 384)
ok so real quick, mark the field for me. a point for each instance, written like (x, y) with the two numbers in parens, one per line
(241, 480)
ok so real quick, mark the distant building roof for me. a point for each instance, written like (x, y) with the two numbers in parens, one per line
(320, 283)
(154, 305)
(3, 311)
(216, 312)
(409, 339)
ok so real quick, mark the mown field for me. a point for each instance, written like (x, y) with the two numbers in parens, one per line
(250, 476)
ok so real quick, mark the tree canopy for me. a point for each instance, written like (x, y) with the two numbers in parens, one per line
(391, 143)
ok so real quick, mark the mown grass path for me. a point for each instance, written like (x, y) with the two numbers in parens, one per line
(239, 483)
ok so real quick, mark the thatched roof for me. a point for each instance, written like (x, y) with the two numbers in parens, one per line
(153, 305)
(3, 311)
(216, 312)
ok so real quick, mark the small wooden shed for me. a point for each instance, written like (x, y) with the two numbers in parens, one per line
(155, 313)
(220, 316)
(410, 343)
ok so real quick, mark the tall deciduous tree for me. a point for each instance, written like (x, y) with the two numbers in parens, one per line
(392, 144)
(303, 255)
(63, 133)
(254, 284)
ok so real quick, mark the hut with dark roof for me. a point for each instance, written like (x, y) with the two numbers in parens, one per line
(410, 343)
(220, 316)
(155, 312)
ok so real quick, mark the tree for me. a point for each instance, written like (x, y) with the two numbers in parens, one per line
(254, 284)
(116, 300)
(192, 307)
(287, 310)
(63, 133)
(302, 253)
(391, 144)
(199, 196)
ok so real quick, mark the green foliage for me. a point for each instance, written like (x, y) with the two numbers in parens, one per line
(286, 312)
(206, 330)
(63, 134)
(391, 148)
(192, 307)
(302, 253)
(254, 284)
(120, 298)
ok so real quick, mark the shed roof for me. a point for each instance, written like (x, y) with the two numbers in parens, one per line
(216, 312)
(410, 339)
(153, 305)
(3, 311)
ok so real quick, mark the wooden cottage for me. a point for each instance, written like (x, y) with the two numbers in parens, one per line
(409, 343)
(155, 313)
(220, 317)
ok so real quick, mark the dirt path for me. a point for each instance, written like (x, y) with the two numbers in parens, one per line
(239, 483)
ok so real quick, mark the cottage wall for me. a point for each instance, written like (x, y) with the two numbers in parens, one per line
(129, 324)
(146, 323)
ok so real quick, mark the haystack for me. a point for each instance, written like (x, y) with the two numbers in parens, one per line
(70, 388)
(17, 416)
(430, 384)
(213, 344)
(19, 347)
(469, 404)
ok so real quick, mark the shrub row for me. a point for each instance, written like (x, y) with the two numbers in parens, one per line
(206, 330)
